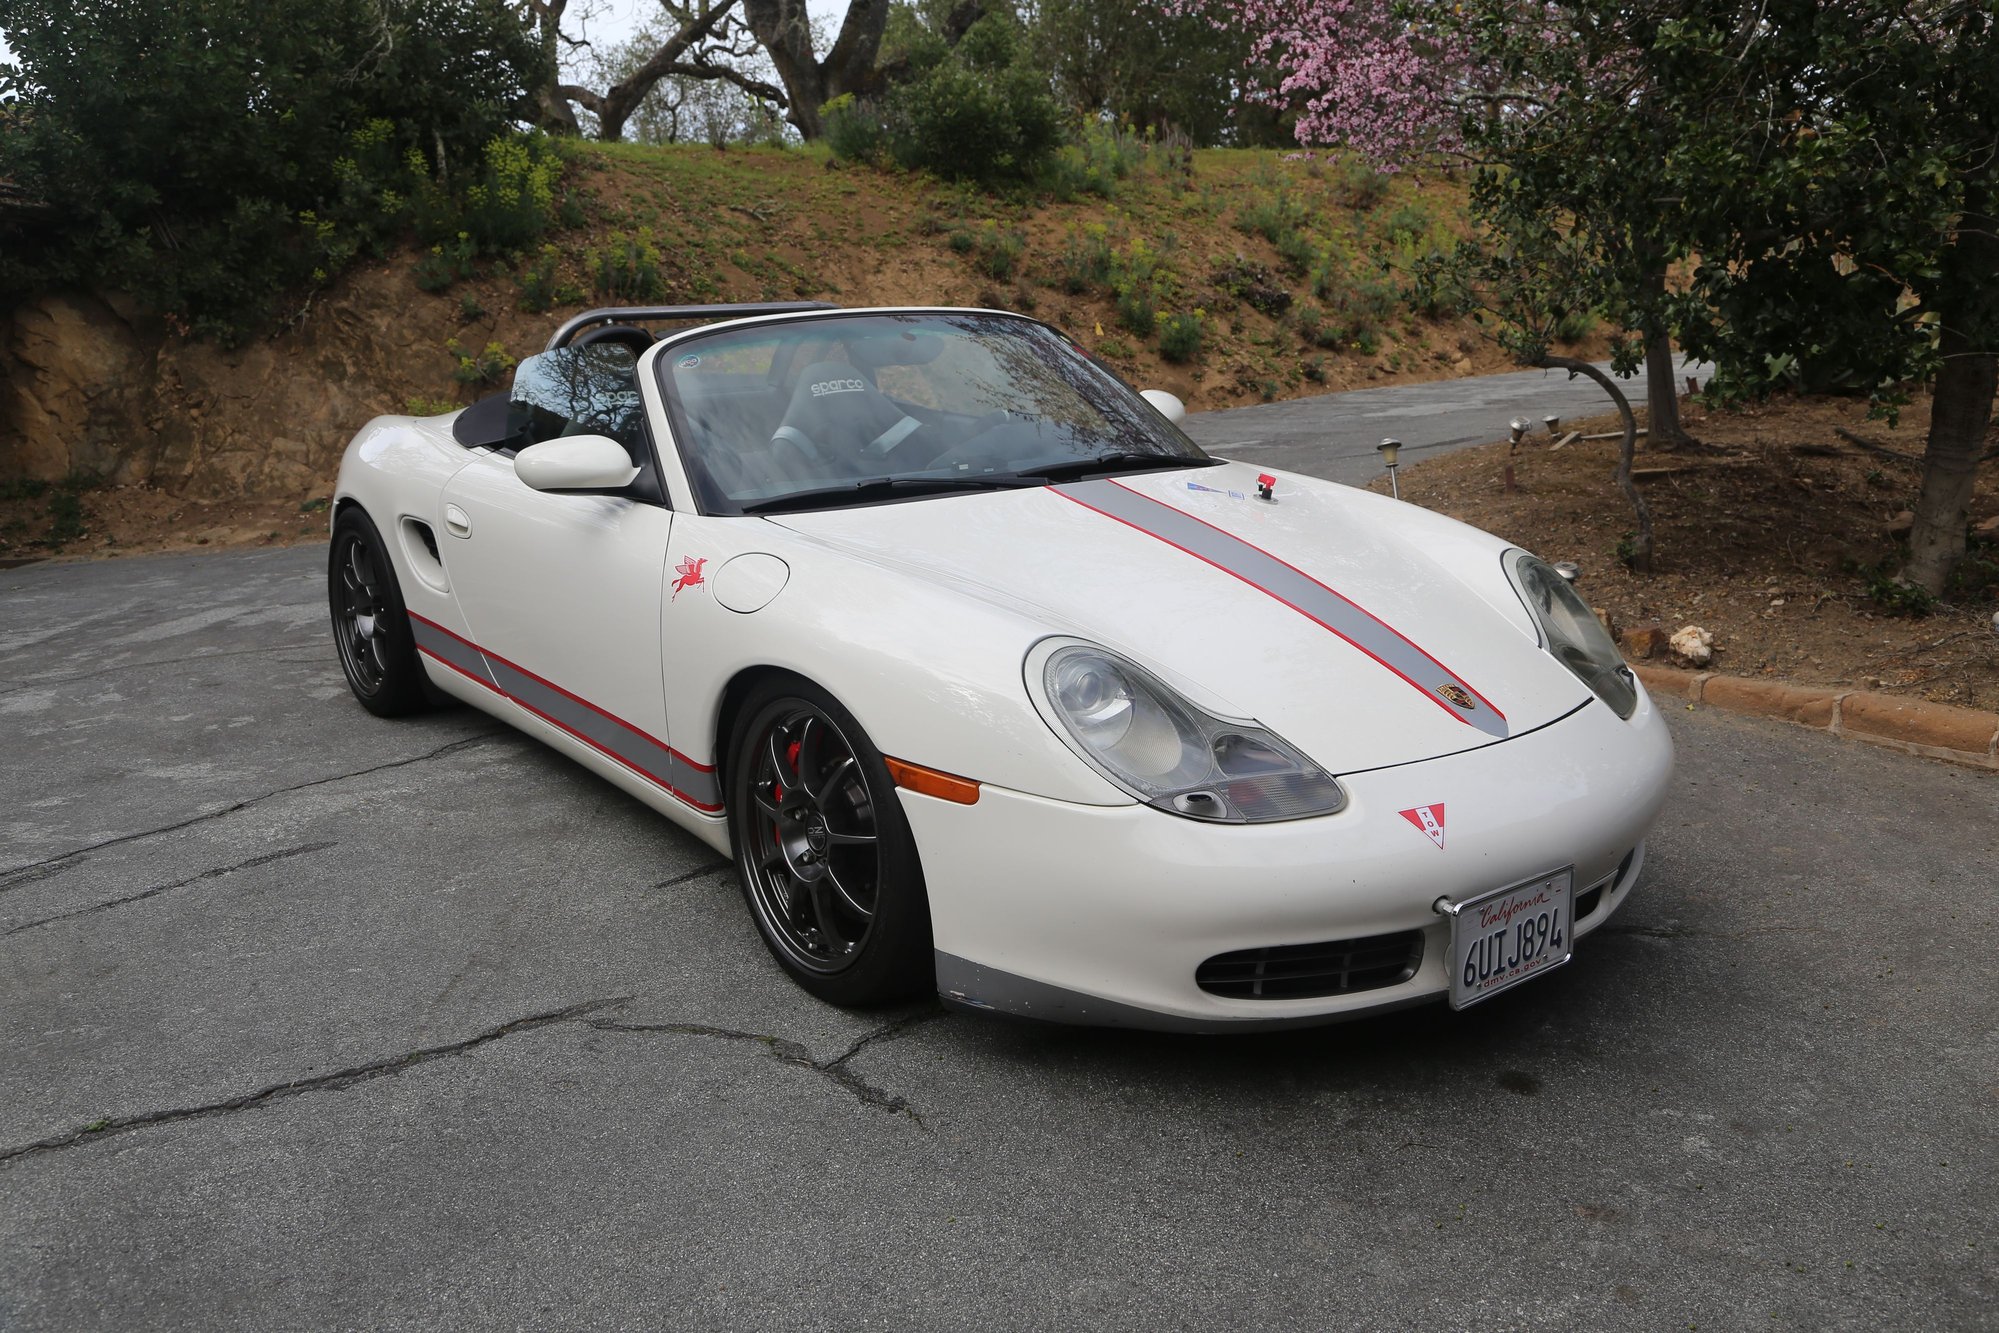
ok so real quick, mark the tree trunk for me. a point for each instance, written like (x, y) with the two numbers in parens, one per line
(1641, 545)
(1662, 393)
(784, 29)
(1662, 390)
(1959, 414)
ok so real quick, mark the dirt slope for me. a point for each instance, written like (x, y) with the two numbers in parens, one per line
(91, 387)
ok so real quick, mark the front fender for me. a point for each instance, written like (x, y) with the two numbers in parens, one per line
(933, 675)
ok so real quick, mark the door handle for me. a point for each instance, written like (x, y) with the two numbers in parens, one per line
(457, 522)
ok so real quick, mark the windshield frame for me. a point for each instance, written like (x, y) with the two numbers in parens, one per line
(682, 433)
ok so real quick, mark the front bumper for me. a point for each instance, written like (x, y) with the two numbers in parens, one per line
(1102, 915)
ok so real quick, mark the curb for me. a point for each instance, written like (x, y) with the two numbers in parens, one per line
(1966, 736)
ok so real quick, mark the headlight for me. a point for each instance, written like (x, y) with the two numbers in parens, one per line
(1571, 631)
(1138, 732)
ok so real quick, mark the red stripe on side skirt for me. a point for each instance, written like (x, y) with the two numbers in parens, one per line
(640, 732)
(564, 727)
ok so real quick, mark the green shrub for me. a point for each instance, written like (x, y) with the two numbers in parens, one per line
(65, 517)
(536, 280)
(1406, 222)
(206, 157)
(1359, 186)
(446, 263)
(1000, 251)
(1087, 259)
(1136, 311)
(507, 206)
(1893, 597)
(628, 266)
(1180, 337)
(855, 130)
(1095, 162)
(487, 367)
(1298, 251)
(1273, 217)
(984, 114)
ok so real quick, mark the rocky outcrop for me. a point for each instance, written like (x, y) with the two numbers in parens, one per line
(87, 383)
(77, 374)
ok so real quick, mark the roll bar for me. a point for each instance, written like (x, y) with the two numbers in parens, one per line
(641, 314)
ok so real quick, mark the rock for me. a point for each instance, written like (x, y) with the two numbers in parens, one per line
(1988, 528)
(1693, 644)
(1901, 524)
(1610, 625)
(1644, 640)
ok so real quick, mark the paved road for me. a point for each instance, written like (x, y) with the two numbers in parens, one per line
(313, 1020)
(1333, 435)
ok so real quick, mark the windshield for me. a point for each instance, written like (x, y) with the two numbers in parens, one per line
(849, 409)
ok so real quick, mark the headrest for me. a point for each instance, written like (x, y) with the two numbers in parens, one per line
(902, 348)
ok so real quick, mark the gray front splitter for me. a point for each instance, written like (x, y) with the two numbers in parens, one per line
(969, 985)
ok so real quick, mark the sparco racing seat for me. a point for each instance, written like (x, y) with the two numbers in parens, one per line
(842, 423)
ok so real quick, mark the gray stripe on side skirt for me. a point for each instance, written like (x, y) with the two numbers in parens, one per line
(451, 650)
(1307, 595)
(629, 746)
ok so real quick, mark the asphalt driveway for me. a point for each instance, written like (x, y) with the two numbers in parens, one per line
(309, 1019)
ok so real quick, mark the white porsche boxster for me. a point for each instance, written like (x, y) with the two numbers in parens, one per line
(991, 681)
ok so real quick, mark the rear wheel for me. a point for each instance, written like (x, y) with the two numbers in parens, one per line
(370, 624)
(823, 851)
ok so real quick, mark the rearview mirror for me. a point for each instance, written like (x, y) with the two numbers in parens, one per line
(1166, 404)
(576, 463)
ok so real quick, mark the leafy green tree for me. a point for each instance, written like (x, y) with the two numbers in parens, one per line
(171, 149)
(1831, 171)
(1840, 183)
(1159, 71)
(981, 110)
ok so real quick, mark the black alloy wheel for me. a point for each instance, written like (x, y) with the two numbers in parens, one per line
(823, 851)
(370, 624)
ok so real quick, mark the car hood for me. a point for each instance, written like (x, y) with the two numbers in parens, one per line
(1366, 632)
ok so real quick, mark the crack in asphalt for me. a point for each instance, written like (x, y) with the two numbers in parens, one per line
(780, 1049)
(787, 1052)
(35, 871)
(99, 1130)
(216, 873)
(1686, 933)
(41, 682)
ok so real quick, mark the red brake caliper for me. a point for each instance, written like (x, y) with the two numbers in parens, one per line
(777, 788)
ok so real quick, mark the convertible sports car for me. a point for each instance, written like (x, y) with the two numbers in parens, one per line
(990, 680)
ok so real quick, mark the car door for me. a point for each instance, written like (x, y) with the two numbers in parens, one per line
(561, 592)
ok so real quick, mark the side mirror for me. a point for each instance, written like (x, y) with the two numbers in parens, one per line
(1168, 406)
(576, 463)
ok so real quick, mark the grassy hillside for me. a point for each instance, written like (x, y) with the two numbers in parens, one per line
(1228, 276)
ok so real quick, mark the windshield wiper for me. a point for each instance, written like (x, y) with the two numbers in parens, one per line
(882, 488)
(1123, 461)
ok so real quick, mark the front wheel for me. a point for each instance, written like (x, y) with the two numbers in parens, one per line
(824, 853)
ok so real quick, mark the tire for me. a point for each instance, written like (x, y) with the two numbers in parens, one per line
(371, 627)
(832, 878)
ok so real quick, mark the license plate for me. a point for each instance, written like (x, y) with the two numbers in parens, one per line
(1505, 937)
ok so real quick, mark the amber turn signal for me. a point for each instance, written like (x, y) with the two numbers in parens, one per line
(944, 786)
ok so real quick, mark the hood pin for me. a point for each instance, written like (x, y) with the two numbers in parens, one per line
(1264, 483)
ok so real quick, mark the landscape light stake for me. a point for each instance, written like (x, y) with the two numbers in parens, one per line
(1388, 449)
(1515, 429)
